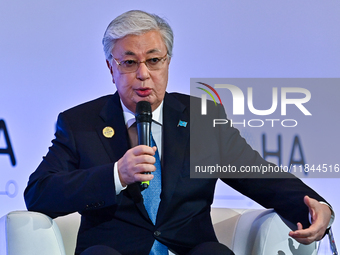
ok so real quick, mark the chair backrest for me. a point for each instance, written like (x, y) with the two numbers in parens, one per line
(68, 226)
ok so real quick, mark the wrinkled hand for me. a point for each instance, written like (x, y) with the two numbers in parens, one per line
(135, 162)
(320, 215)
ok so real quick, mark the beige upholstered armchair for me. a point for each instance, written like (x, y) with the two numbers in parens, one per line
(246, 232)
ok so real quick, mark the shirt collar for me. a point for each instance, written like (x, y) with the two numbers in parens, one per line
(129, 116)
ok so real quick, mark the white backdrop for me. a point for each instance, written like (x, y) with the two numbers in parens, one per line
(51, 59)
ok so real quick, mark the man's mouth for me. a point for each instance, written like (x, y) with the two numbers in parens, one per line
(143, 92)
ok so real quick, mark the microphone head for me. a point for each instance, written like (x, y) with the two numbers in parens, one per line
(143, 112)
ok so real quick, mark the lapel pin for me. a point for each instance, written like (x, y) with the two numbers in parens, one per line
(182, 123)
(108, 132)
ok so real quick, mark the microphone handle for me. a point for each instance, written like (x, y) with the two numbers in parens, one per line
(144, 131)
(144, 138)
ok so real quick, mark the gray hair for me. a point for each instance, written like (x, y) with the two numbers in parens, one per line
(136, 23)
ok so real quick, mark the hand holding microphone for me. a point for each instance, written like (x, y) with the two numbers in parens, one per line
(143, 120)
(139, 160)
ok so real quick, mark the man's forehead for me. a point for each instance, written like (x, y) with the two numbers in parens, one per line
(147, 43)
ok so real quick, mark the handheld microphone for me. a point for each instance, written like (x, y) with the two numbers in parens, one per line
(143, 120)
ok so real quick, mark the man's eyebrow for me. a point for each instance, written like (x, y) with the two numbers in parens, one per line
(130, 53)
(153, 51)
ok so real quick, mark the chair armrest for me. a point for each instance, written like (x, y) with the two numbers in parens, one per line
(29, 233)
(257, 232)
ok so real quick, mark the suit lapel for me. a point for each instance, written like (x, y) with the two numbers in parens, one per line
(112, 116)
(175, 142)
(116, 146)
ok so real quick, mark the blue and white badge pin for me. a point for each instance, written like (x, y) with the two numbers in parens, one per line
(182, 123)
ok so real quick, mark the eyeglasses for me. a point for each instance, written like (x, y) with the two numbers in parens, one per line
(131, 66)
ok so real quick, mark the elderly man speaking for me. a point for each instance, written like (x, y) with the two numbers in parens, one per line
(95, 166)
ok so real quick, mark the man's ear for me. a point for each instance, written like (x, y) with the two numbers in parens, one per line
(109, 66)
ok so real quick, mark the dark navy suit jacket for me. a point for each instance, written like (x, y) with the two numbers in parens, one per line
(77, 175)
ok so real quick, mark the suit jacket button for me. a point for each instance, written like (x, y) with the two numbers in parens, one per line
(157, 233)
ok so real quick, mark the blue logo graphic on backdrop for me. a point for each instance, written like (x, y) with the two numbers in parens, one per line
(8, 150)
(11, 187)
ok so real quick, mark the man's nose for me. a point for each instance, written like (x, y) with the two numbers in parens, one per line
(143, 72)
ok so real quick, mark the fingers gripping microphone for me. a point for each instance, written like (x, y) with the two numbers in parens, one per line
(143, 119)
